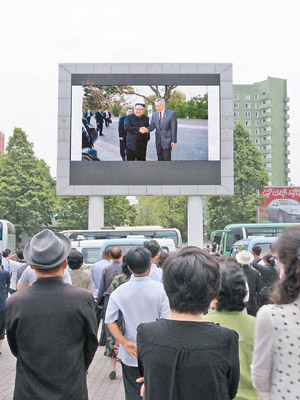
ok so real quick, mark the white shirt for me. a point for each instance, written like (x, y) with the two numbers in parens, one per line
(6, 266)
(140, 300)
(156, 273)
(29, 276)
(97, 273)
(14, 265)
(276, 356)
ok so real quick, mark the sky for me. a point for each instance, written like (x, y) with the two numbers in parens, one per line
(258, 37)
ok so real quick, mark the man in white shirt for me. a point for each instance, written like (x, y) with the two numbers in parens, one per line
(141, 299)
(15, 261)
(28, 277)
(97, 271)
(154, 248)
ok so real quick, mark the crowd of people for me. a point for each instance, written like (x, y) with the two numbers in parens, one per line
(187, 325)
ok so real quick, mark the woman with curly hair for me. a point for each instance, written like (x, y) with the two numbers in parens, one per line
(276, 358)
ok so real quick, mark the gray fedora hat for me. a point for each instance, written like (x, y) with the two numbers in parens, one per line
(47, 250)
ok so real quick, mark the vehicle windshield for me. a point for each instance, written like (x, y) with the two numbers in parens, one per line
(288, 202)
(90, 256)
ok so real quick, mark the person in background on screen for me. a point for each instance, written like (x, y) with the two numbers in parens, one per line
(123, 134)
(99, 119)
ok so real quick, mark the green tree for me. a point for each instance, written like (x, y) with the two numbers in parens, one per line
(27, 190)
(197, 107)
(169, 212)
(249, 176)
(72, 212)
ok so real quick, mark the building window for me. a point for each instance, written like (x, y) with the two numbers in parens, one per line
(256, 105)
(257, 123)
(235, 105)
(268, 119)
(248, 114)
(266, 128)
(247, 97)
(249, 130)
(270, 183)
(256, 141)
(236, 114)
(267, 137)
(266, 110)
(248, 122)
(267, 147)
(235, 122)
(268, 165)
(235, 97)
(247, 105)
(257, 113)
(267, 101)
(256, 131)
(268, 155)
(269, 173)
(256, 96)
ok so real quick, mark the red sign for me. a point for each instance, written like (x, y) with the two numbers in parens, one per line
(280, 204)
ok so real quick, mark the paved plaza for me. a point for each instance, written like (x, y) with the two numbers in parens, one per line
(99, 385)
(192, 142)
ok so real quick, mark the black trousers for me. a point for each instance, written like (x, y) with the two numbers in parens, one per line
(100, 128)
(132, 388)
(137, 155)
(163, 154)
(123, 149)
(107, 122)
(104, 329)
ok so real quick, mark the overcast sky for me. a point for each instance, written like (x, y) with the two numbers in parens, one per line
(260, 38)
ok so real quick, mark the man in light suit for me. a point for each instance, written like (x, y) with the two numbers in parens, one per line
(51, 326)
(164, 122)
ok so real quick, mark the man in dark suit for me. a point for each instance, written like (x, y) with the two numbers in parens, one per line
(87, 115)
(164, 121)
(99, 119)
(107, 118)
(51, 326)
(109, 272)
(123, 134)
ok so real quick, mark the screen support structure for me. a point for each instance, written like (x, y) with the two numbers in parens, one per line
(96, 212)
(195, 221)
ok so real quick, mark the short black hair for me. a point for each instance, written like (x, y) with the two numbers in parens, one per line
(115, 253)
(106, 253)
(233, 287)
(269, 258)
(138, 259)
(20, 254)
(191, 279)
(75, 259)
(162, 257)
(152, 246)
(124, 267)
(256, 250)
(5, 253)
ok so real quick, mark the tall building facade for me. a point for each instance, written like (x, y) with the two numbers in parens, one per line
(2, 136)
(263, 109)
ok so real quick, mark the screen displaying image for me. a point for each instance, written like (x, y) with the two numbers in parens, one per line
(145, 123)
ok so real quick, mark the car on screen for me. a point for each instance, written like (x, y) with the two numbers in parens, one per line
(248, 244)
(283, 210)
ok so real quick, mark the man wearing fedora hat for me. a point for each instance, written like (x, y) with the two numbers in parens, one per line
(51, 326)
(245, 258)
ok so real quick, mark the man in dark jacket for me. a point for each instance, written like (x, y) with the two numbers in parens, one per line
(137, 135)
(99, 119)
(245, 258)
(123, 134)
(51, 326)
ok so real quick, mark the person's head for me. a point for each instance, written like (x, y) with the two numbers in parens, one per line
(233, 287)
(75, 259)
(99, 108)
(154, 249)
(138, 260)
(129, 111)
(124, 267)
(116, 253)
(244, 257)
(161, 259)
(139, 109)
(269, 259)
(160, 104)
(272, 248)
(191, 279)
(106, 255)
(20, 254)
(288, 250)
(256, 251)
(5, 253)
(47, 253)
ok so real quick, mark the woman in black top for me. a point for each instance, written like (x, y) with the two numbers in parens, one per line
(184, 357)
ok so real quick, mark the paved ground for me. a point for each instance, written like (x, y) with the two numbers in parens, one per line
(192, 142)
(99, 385)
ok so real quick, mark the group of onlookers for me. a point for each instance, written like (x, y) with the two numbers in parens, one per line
(192, 337)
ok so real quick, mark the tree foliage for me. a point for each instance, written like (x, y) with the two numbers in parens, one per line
(249, 176)
(169, 212)
(27, 190)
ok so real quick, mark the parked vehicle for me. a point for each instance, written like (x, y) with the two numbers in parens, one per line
(250, 242)
(7, 235)
(89, 249)
(284, 210)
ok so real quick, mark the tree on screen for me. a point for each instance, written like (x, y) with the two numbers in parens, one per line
(27, 190)
(249, 176)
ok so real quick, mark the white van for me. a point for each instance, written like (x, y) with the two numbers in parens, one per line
(89, 249)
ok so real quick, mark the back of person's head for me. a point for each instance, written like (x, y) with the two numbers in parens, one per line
(106, 254)
(162, 257)
(153, 247)
(6, 253)
(138, 259)
(116, 253)
(191, 279)
(75, 259)
(272, 248)
(20, 254)
(124, 267)
(269, 259)
(288, 249)
(256, 250)
(233, 287)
